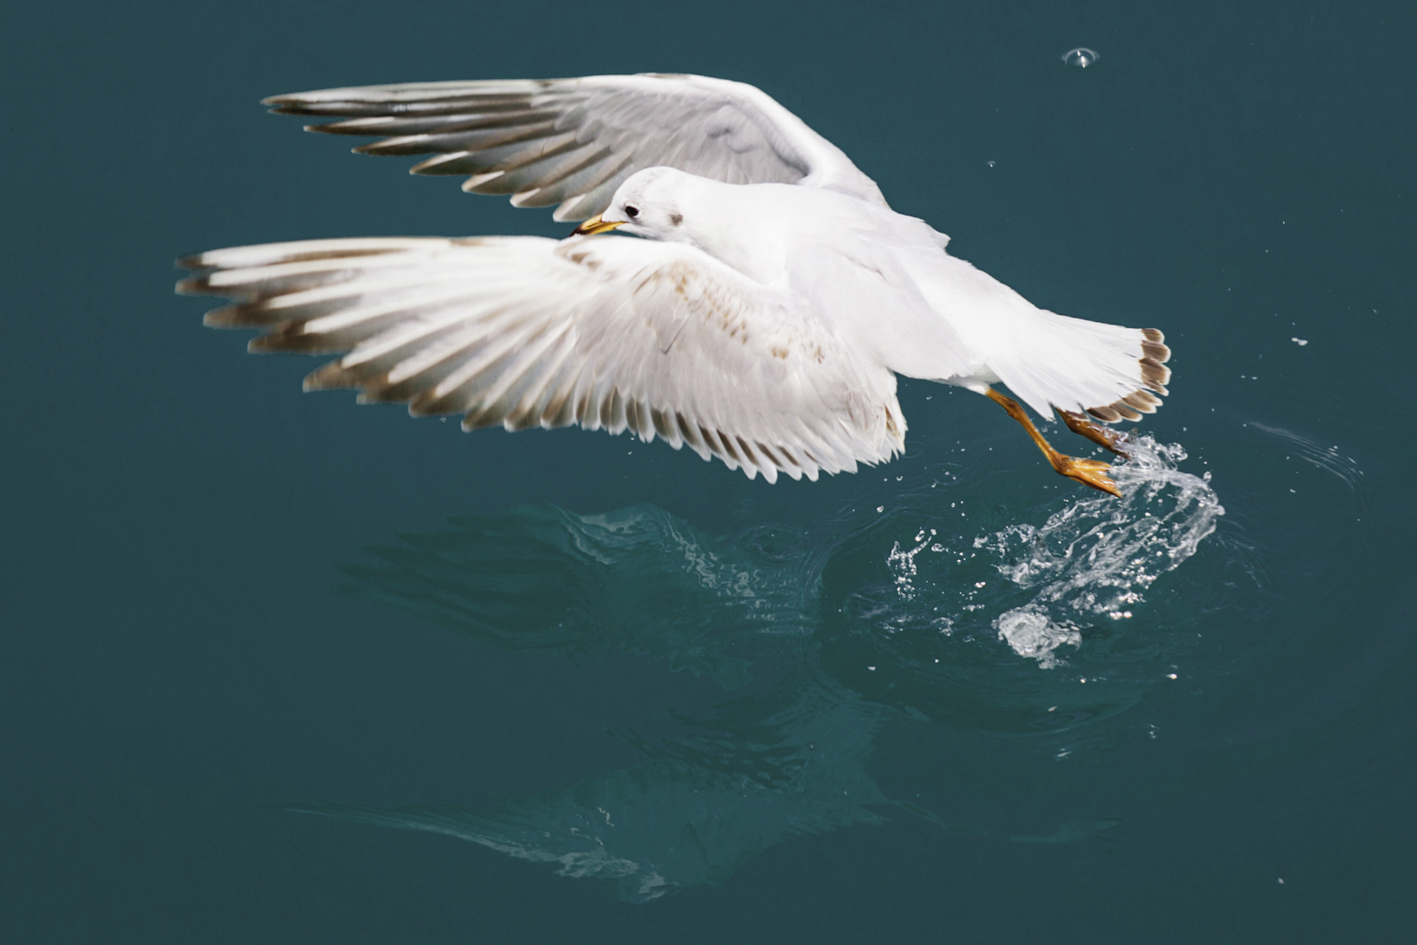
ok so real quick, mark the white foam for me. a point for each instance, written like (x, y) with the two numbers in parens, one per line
(1031, 633)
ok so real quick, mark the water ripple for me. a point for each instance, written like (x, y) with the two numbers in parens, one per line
(1327, 458)
(840, 628)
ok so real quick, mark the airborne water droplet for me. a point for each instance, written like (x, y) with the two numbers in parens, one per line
(1082, 57)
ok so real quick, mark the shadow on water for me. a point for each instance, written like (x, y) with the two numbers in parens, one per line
(1019, 629)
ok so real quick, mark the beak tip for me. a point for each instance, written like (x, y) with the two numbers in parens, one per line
(595, 225)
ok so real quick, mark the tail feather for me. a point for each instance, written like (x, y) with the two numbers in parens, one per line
(1111, 372)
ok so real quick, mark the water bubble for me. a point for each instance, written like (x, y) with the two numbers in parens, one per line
(1082, 57)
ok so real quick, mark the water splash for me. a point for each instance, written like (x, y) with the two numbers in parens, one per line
(962, 612)
(1098, 555)
(1082, 57)
(902, 562)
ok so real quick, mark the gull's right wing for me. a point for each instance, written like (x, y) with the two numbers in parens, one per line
(605, 332)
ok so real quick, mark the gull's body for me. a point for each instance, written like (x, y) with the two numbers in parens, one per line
(762, 318)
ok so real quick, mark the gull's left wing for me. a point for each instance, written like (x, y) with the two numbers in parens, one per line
(570, 143)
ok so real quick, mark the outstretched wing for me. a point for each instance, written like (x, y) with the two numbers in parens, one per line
(606, 332)
(570, 143)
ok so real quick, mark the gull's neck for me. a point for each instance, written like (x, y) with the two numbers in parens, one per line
(737, 224)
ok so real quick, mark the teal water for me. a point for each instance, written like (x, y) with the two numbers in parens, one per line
(604, 691)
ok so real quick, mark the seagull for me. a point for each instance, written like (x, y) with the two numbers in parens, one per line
(760, 316)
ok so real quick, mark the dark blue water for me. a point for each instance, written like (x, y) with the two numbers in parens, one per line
(275, 667)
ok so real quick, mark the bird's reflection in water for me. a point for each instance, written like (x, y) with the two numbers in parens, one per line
(842, 632)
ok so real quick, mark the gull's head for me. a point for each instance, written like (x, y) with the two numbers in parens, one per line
(649, 203)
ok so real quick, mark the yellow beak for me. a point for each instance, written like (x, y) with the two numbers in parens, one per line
(595, 225)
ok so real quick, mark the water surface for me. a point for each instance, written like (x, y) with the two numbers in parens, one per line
(281, 668)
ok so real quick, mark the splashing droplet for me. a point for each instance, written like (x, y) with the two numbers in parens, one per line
(1082, 57)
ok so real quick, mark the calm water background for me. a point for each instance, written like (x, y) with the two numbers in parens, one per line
(225, 600)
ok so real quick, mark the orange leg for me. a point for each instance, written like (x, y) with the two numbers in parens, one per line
(1089, 472)
(1103, 437)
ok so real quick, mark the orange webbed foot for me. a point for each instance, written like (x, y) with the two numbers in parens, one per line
(1089, 472)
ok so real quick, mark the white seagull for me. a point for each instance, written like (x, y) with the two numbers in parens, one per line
(761, 318)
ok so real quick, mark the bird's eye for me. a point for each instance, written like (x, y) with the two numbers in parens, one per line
(631, 211)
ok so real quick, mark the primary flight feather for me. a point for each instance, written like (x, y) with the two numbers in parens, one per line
(761, 318)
